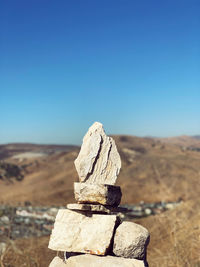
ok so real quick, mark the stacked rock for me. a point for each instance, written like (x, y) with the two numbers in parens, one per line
(91, 228)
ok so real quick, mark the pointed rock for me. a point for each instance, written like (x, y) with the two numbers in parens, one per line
(98, 161)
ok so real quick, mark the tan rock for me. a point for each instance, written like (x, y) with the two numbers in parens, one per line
(107, 261)
(97, 193)
(95, 208)
(3, 247)
(76, 232)
(98, 160)
(57, 262)
(131, 240)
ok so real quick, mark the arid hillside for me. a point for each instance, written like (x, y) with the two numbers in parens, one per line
(184, 141)
(157, 171)
(153, 170)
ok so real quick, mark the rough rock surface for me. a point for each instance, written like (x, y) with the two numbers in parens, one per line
(2, 248)
(131, 240)
(107, 261)
(95, 208)
(57, 262)
(97, 193)
(98, 160)
(76, 232)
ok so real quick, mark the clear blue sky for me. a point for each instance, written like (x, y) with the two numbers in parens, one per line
(132, 65)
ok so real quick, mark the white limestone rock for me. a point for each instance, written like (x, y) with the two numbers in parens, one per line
(131, 240)
(97, 193)
(76, 232)
(57, 262)
(3, 247)
(98, 161)
(107, 261)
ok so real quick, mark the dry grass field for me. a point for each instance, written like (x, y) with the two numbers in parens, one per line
(153, 170)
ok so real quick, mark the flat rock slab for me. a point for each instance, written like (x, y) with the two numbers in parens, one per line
(97, 193)
(76, 232)
(57, 262)
(131, 240)
(96, 208)
(107, 261)
(98, 161)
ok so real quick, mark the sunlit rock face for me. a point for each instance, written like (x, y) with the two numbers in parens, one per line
(131, 240)
(98, 161)
(97, 194)
(86, 233)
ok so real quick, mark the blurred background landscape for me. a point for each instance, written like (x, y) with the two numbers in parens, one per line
(133, 66)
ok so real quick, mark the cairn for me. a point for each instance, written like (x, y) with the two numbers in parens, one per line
(90, 232)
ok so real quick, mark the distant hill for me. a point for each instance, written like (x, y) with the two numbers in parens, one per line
(196, 137)
(184, 141)
(9, 150)
(152, 170)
